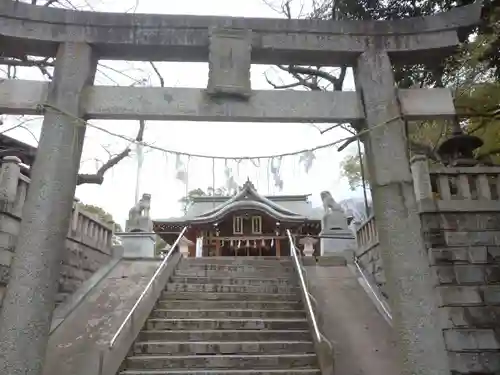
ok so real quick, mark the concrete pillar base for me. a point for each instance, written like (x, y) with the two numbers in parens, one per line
(138, 245)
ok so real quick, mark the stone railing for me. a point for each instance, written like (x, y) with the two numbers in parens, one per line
(460, 216)
(88, 244)
(368, 252)
(366, 234)
(455, 189)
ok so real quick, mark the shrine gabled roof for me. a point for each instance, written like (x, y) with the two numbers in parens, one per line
(285, 208)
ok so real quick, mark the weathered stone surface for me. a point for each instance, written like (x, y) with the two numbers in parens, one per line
(491, 294)
(5, 257)
(471, 340)
(474, 363)
(459, 295)
(276, 41)
(158, 103)
(4, 274)
(7, 241)
(9, 224)
(229, 62)
(78, 264)
(464, 251)
(26, 314)
(410, 281)
(474, 316)
(463, 274)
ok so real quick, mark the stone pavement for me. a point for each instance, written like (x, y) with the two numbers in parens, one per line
(362, 339)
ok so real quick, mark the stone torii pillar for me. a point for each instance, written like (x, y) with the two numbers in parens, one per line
(30, 298)
(410, 281)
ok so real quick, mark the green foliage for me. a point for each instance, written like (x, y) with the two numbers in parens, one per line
(102, 215)
(351, 170)
(160, 244)
(198, 192)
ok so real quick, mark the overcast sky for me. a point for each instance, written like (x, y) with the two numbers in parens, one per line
(117, 194)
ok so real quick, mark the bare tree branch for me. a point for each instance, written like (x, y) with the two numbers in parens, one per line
(48, 3)
(337, 82)
(162, 81)
(276, 86)
(24, 63)
(98, 177)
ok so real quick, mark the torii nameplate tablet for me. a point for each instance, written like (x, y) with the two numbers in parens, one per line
(229, 62)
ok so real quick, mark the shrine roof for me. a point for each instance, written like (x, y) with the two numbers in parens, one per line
(12, 147)
(207, 209)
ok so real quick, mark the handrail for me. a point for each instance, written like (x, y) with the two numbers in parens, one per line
(303, 286)
(387, 313)
(146, 289)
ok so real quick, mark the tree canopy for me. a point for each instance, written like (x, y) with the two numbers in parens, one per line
(472, 72)
(187, 200)
(102, 215)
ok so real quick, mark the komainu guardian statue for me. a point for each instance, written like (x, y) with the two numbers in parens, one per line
(336, 236)
(138, 216)
(329, 204)
(334, 217)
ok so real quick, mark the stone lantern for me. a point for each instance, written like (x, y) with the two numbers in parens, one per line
(308, 243)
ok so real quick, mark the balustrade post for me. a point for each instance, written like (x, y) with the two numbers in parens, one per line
(76, 213)
(11, 169)
(421, 177)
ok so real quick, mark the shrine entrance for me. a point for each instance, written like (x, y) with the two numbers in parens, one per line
(230, 45)
(247, 224)
(244, 249)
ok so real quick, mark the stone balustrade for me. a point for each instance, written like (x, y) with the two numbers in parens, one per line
(366, 234)
(455, 189)
(368, 252)
(88, 244)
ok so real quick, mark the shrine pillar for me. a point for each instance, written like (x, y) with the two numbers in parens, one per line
(217, 247)
(278, 248)
(30, 299)
(410, 283)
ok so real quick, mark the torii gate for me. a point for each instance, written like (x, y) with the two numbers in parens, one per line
(79, 39)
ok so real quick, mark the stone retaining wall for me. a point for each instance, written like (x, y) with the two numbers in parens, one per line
(464, 250)
(88, 245)
(460, 216)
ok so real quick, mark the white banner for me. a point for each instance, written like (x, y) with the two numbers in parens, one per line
(199, 247)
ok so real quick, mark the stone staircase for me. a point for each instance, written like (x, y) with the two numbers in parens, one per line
(227, 316)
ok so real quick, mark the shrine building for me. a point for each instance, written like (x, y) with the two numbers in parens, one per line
(246, 224)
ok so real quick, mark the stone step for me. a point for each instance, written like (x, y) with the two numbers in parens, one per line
(240, 260)
(221, 280)
(230, 361)
(237, 268)
(226, 313)
(225, 335)
(230, 296)
(270, 273)
(222, 347)
(221, 288)
(231, 324)
(229, 305)
(304, 371)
